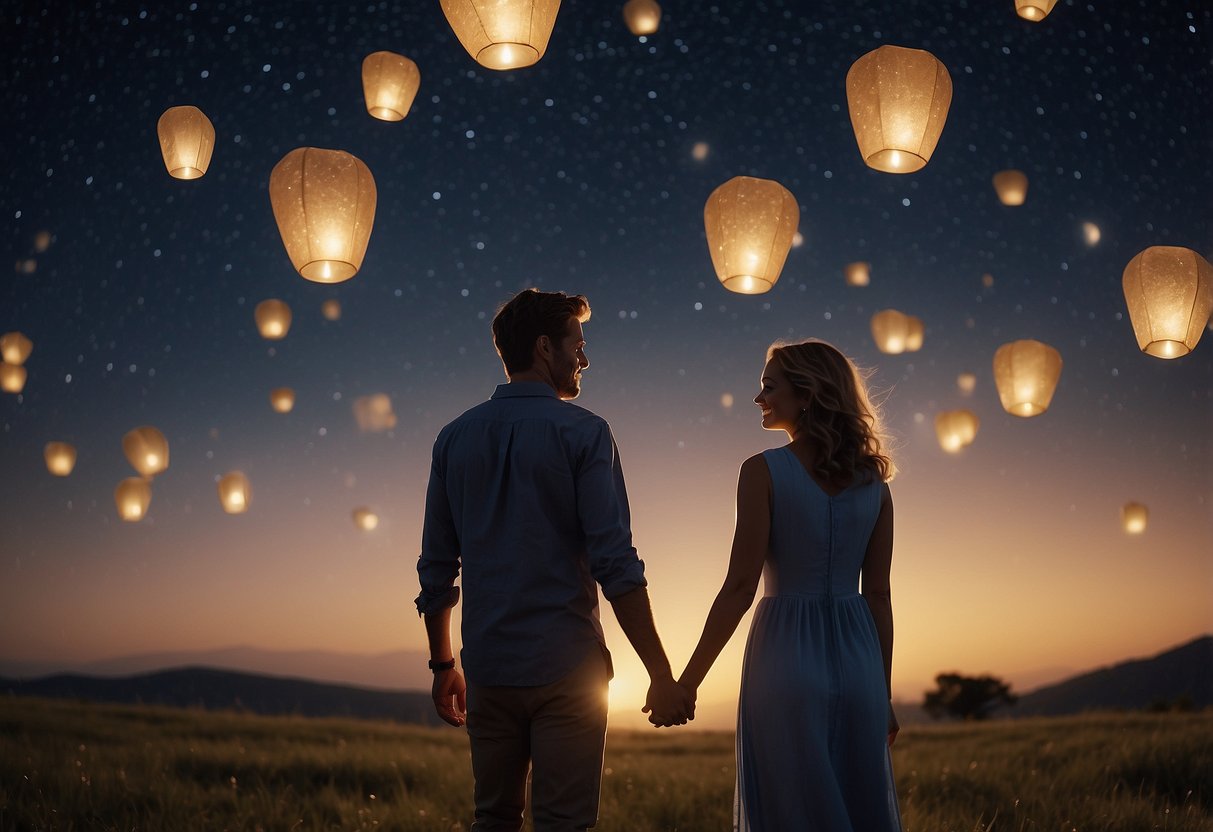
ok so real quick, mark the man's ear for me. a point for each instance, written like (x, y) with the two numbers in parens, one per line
(543, 347)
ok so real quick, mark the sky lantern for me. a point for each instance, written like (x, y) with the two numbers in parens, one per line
(60, 458)
(858, 273)
(1169, 292)
(700, 151)
(502, 34)
(1026, 374)
(1034, 10)
(365, 519)
(12, 377)
(898, 99)
(331, 309)
(147, 450)
(1011, 186)
(1133, 517)
(42, 241)
(1091, 234)
(890, 331)
(324, 204)
(956, 429)
(915, 332)
(750, 224)
(389, 84)
(282, 399)
(642, 16)
(967, 383)
(15, 347)
(273, 319)
(132, 497)
(235, 493)
(187, 139)
(374, 413)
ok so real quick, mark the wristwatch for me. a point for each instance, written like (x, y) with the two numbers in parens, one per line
(440, 666)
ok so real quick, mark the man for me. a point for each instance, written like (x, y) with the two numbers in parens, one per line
(526, 497)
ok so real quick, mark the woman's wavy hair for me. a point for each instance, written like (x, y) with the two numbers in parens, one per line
(841, 421)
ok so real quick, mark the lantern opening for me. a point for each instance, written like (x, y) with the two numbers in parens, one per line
(1167, 349)
(386, 114)
(186, 173)
(1030, 12)
(746, 284)
(896, 161)
(328, 271)
(507, 56)
(1027, 409)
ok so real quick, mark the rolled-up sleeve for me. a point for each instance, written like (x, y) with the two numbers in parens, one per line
(438, 565)
(602, 507)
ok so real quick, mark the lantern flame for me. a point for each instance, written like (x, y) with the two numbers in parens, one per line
(1034, 10)
(365, 519)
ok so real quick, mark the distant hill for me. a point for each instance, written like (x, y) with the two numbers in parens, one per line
(1184, 672)
(201, 687)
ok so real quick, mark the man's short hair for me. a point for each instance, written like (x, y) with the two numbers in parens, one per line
(528, 315)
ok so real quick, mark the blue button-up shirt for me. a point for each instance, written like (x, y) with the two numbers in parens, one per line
(526, 497)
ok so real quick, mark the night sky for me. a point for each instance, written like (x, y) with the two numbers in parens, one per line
(577, 174)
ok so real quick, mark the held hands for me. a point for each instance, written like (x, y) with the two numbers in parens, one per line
(669, 703)
(450, 697)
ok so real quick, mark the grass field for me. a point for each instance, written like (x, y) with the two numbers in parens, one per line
(73, 766)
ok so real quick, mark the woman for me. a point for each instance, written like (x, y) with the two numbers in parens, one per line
(815, 719)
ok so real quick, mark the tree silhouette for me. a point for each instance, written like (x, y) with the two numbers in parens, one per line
(967, 697)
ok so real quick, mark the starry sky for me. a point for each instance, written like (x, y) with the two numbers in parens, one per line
(578, 174)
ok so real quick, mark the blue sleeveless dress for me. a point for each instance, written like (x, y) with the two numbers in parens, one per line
(812, 720)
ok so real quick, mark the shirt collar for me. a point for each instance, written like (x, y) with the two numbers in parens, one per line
(514, 389)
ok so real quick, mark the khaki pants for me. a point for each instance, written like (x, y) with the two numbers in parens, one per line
(558, 732)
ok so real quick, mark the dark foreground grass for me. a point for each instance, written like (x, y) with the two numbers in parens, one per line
(74, 766)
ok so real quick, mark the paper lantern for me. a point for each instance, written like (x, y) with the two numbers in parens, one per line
(282, 399)
(365, 519)
(750, 224)
(967, 382)
(700, 151)
(273, 319)
(331, 309)
(898, 99)
(1026, 374)
(642, 16)
(502, 34)
(27, 266)
(1133, 517)
(324, 204)
(1091, 233)
(956, 429)
(915, 332)
(42, 241)
(235, 493)
(15, 347)
(890, 331)
(1011, 186)
(374, 413)
(146, 450)
(60, 458)
(389, 85)
(132, 497)
(1034, 10)
(1169, 292)
(12, 377)
(858, 274)
(187, 139)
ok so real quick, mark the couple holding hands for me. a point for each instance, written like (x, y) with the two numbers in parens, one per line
(526, 499)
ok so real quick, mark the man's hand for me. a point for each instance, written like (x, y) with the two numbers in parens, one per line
(669, 703)
(450, 696)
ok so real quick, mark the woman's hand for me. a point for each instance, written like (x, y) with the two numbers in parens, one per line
(894, 726)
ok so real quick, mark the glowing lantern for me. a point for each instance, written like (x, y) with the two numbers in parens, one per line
(374, 413)
(797, 240)
(1134, 516)
(1169, 292)
(282, 399)
(12, 377)
(187, 139)
(235, 493)
(890, 331)
(642, 16)
(42, 241)
(331, 309)
(956, 429)
(132, 497)
(967, 382)
(700, 151)
(1034, 10)
(1011, 186)
(898, 99)
(750, 224)
(1026, 374)
(324, 204)
(15, 347)
(1091, 233)
(987, 280)
(27, 266)
(726, 400)
(147, 450)
(502, 34)
(389, 83)
(273, 319)
(365, 519)
(60, 458)
(858, 274)
(915, 331)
